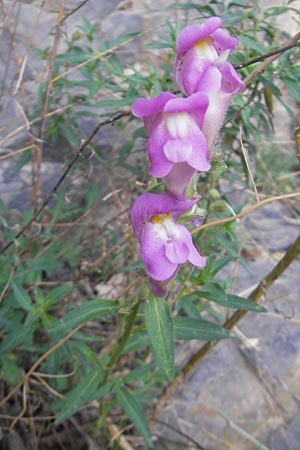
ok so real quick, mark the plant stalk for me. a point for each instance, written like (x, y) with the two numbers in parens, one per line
(290, 255)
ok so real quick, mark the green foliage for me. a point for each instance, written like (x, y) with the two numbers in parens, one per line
(92, 309)
(133, 410)
(159, 325)
(124, 349)
(188, 329)
(80, 395)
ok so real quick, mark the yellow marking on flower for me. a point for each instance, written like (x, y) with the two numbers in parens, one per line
(159, 218)
(203, 42)
(156, 219)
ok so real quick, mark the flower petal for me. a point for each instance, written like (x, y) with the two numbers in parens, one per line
(144, 107)
(231, 81)
(195, 258)
(160, 165)
(177, 251)
(192, 34)
(150, 109)
(192, 104)
(210, 80)
(192, 150)
(189, 70)
(199, 157)
(148, 205)
(178, 179)
(153, 252)
(178, 150)
(223, 41)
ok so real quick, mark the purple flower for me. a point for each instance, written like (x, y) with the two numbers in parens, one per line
(201, 51)
(202, 66)
(174, 125)
(164, 243)
(178, 179)
(231, 84)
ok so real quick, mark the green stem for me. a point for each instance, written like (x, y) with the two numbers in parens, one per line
(119, 345)
(258, 292)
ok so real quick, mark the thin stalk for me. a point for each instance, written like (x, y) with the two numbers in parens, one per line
(119, 345)
(290, 255)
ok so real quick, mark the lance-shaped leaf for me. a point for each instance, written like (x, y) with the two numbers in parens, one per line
(216, 294)
(188, 329)
(131, 407)
(159, 325)
(16, 338)
(83, 392)
(87, 311)
(22, 297)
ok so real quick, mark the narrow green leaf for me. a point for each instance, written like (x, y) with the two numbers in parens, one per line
(15, 338)
(157, 44)
(75, 57)
(140, 373)
(126, 37)
(115, 103)
(231, 18)
(104, 390)
(89, 310)
(133, 266)
(159, 325)
(136, 342)
(238, 3)
(135, 413)
(279, 10)
(243, 303)
(22, 297)
(56, 295)
(216, 294)
(251, 43)
(83, 392)
(293, 87)
(188, 329)
(13, 169)
(11, 372)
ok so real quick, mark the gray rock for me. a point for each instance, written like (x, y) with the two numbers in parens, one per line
(12, 118)
(118, 24)
(262, 224)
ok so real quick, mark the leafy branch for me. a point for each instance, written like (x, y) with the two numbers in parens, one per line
(229, 324)
(64, 175)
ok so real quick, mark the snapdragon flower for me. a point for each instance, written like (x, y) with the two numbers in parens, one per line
(164, 243)
(175, 135)
(202, 66)
(231, 85)
(201, 52)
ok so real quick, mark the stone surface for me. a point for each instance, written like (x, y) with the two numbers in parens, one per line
(240, 396)
(247, 396)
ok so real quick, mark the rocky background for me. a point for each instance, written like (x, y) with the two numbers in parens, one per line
(245, 395)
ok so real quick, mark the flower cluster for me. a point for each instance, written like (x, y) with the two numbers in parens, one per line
(182, 132)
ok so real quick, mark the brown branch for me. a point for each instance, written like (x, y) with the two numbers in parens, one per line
(255, 296)
(37, 155)
(74, 10)
(276, 52)
(245, 212)
(266, 282)
(51, 68)
(63, 176)
(292, 42)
